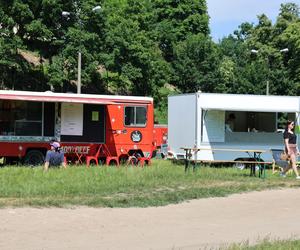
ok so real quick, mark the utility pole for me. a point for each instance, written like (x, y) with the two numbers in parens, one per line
(79, 74)
(254, 51)
(267, 88)
(77, 14)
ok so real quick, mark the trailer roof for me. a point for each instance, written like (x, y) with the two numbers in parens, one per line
(49, 96)
(260, 103)
(245, 102)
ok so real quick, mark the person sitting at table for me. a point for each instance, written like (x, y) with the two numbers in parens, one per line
(290, 142)
(54, 156)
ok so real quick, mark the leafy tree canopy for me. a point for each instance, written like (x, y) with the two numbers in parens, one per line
(141, 47)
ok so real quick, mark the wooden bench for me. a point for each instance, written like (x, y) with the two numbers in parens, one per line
(256, 155)
(252, 164)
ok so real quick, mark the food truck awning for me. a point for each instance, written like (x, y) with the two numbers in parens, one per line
(70, 97)
(254, 103)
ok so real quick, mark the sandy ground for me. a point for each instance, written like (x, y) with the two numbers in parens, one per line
(197, 224)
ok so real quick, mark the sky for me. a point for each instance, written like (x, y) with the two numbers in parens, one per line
(227, 15)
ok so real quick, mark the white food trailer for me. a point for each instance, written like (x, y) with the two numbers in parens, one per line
(199, 120)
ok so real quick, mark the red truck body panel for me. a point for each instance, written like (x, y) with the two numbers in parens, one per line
(160, 134)
(161, 140)
(121, 136)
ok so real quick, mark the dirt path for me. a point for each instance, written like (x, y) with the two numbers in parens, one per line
(191, 225)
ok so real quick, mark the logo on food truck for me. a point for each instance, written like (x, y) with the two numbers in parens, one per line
(76, 149)
(136, 136)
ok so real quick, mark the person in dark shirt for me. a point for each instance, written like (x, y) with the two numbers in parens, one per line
(54, 157)
(290, 142)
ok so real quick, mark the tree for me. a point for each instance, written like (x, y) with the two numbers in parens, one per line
(175, 20)
(253, 71)
(195, 64)
(131, 50)
(291, 38)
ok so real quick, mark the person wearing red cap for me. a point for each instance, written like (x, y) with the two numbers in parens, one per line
(54, 157)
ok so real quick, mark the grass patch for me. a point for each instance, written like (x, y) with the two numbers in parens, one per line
(268, 245)
(160, 184)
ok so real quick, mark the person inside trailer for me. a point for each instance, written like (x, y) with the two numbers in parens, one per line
(229, 124)
(54, 156)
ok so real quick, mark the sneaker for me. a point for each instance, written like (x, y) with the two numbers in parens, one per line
(284, 175)
(298, 177)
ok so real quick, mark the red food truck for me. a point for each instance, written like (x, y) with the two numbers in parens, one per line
(106, 127)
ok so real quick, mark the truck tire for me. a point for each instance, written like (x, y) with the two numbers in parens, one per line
(34, 158)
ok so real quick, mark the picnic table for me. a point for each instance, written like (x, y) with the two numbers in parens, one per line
(253, 154)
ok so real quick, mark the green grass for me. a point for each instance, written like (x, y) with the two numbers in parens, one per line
(160, 184)
(268, 245)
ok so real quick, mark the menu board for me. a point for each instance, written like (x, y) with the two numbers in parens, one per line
(71, 119)
(213, 126)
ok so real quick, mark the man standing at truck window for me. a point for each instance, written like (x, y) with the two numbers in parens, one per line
(54, 157)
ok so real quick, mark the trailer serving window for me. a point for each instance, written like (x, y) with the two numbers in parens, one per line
(135, 116)
(21, 118)
(269, 122)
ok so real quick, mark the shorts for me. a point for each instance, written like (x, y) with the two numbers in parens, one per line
(293, 149)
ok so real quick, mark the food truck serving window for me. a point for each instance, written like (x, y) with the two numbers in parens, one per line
(20, 118)
(269, 122)
(135, 116)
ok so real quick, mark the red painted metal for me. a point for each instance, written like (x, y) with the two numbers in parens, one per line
(160, 134)
(118, 137)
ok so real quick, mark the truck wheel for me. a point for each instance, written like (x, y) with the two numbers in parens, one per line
(34, 158)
